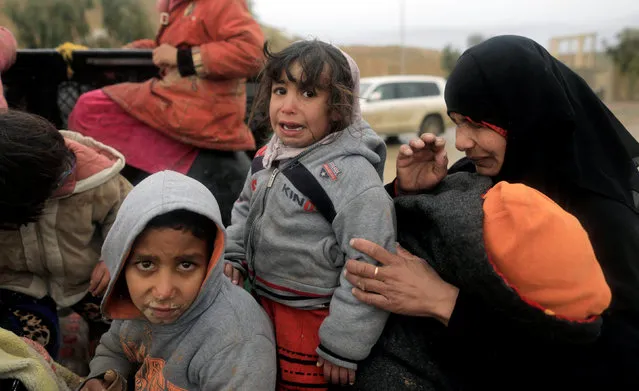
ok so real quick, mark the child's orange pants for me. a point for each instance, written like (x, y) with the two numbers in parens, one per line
(297, 337)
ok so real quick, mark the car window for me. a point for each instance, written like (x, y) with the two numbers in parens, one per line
(386, 91)
(417, 89)
(363, 87)
(409, 90)
(430, 89)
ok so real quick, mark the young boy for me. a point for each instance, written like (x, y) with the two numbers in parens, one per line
(176, 316)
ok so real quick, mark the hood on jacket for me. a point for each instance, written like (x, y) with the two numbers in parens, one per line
(358, 139)
(160, 193)
(95, 164)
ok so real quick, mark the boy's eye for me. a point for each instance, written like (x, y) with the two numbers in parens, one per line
(308, 94)
(279, 91)
(145, 266)
(186, 266)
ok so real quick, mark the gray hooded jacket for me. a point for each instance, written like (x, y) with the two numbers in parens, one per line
(224, 341)
(294, 256)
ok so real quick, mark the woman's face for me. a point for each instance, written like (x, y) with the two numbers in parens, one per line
(484, 146)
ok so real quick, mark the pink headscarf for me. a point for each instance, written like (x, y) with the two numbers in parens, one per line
(8, 47)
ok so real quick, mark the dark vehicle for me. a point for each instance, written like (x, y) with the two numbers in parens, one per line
(42, 82)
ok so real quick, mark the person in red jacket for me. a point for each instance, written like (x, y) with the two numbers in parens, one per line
(205, 50)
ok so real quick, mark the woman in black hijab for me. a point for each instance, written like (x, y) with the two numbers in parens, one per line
(559, 138)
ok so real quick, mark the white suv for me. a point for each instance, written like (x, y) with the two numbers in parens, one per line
(393, 105)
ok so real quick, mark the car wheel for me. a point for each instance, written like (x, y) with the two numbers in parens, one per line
(431, 124)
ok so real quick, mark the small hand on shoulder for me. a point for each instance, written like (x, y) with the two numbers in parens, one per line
(234, 274)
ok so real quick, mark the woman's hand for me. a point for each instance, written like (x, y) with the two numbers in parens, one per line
(404, 284)
(422, 163)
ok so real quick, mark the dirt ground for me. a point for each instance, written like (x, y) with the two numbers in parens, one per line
(626, 112)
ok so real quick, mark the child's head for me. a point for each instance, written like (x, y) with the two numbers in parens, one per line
(543, 252)
(34, 162)
(168, 264)
(306, 92)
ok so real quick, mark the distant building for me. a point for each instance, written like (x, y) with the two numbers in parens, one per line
(582, 54)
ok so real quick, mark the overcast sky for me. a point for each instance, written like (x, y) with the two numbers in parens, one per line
(430, 23)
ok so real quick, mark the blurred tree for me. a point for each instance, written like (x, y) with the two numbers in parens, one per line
(125, 21)
(474, 39)
(448, 59)
(48, 23)
(625, 55)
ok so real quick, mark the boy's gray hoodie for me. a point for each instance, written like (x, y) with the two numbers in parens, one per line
(295, 256)
(224, 341)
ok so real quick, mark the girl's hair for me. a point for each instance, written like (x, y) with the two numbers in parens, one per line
(323, 66)
(34, 162)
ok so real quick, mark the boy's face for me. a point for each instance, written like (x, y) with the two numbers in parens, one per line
(165, 272)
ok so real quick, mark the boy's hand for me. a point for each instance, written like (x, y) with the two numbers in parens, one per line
(99, 279)
(111, 382)
(235, 275)
(336, 374)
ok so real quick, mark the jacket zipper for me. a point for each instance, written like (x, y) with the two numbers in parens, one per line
(269, 185)
(251, 237)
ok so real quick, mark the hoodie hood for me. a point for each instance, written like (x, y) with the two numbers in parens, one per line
(95, 164)
(357, 139)
(158, 194)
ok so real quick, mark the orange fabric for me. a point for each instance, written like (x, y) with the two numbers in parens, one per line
(543, 252)
(205, 110)
(296, 337)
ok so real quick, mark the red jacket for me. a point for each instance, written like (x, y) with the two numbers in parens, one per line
(206, 110)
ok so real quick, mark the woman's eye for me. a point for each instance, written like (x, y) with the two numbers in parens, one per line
(144, 265)
(279, 91)
(308, 94)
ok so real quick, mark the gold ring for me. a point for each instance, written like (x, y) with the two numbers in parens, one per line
(376, 271)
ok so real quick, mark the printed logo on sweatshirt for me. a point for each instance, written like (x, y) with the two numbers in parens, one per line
(330, 170)
(150, 377)
(300, 200)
